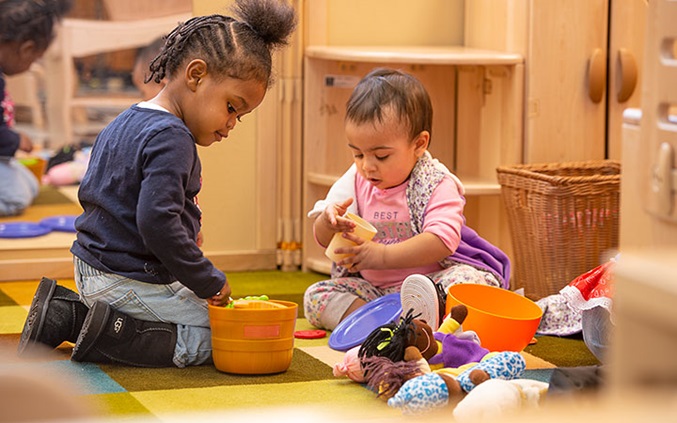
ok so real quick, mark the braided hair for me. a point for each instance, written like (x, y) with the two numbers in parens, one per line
(390, 340)
(31, 20)
(236, 47)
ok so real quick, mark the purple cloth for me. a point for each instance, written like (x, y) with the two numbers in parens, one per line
(457, 352)
(476, 251)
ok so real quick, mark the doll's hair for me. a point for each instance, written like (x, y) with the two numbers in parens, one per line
(386, 90)
(389, 340)
(237, 47)
(386, 377)
(31, 20)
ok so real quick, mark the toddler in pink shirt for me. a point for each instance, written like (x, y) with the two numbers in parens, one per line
(415, 203)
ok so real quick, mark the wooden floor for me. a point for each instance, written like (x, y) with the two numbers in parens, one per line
(30, 258)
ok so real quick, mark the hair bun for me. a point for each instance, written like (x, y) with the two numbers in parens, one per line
(272, 20)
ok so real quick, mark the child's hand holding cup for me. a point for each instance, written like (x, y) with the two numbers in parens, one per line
(363, 229)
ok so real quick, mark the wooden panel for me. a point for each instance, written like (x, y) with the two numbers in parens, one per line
(628, 22)
(639, 229)
(415, 55)
(563, 124)
(394, 22)
(500, 25)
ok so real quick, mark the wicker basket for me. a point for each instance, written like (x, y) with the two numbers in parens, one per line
(563, 218)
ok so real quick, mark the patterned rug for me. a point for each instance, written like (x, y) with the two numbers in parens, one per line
(308, 384)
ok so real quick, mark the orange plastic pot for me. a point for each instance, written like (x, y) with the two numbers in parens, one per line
(504, 320)
(258, 339)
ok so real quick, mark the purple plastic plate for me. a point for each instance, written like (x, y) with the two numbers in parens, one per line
(22, 230)
(59, 223)
(352, 331)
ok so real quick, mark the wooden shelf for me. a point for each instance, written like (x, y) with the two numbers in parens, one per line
(321, 179)
(473, 186)
(454, 55)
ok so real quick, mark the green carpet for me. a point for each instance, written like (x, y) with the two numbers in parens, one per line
(303, 368)
(284, 286)
(563, 351)
(49, 195)
(128, 392)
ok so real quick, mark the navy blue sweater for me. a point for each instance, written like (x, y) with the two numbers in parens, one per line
(140, 218)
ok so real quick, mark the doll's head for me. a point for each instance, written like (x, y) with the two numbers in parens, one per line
(423, 339)
(350, 366)
(391, 340)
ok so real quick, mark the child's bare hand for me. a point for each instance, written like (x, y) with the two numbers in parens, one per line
(221, 298)
(25, 143)
(333, 217)
(365, 255)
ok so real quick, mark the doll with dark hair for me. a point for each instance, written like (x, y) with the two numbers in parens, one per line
(449, 346)
(396, 357)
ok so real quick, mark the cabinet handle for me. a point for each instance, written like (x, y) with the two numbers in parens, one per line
(627, 71)
(596, 75)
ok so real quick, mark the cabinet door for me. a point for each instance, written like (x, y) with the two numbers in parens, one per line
(626, 52)
(563, 123)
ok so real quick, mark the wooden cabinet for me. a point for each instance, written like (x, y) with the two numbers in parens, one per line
(477, 102)
(582, 68)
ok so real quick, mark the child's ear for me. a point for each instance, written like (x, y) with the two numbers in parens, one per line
(27, 49)
(196, 70)
(421, 143)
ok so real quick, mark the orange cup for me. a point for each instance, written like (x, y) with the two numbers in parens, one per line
(36, 165)
(363, 229)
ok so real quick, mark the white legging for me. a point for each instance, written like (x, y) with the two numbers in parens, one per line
(325, 302)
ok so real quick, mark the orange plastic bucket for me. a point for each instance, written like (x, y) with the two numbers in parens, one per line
(258, 339)
(36, 165)
(504, 320)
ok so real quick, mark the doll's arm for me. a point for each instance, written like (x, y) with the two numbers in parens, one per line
(425, 393)
(454, 319)
(505, 365)
(412, 353)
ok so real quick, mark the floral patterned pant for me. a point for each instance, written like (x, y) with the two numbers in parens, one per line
(325, 302)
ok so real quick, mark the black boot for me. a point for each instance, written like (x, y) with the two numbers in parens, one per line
(56, 315)
(109, 336)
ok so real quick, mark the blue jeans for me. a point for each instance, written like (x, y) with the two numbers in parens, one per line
(172, 303)
(596, 327)
(18, 188)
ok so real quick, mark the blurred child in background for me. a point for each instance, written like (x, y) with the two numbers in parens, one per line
(26, 30)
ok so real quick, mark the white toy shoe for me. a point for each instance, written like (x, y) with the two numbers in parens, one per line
(420, 293)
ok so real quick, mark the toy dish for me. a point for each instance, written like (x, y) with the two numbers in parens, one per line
(60, 223)
(22, 230)
(352, 331)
